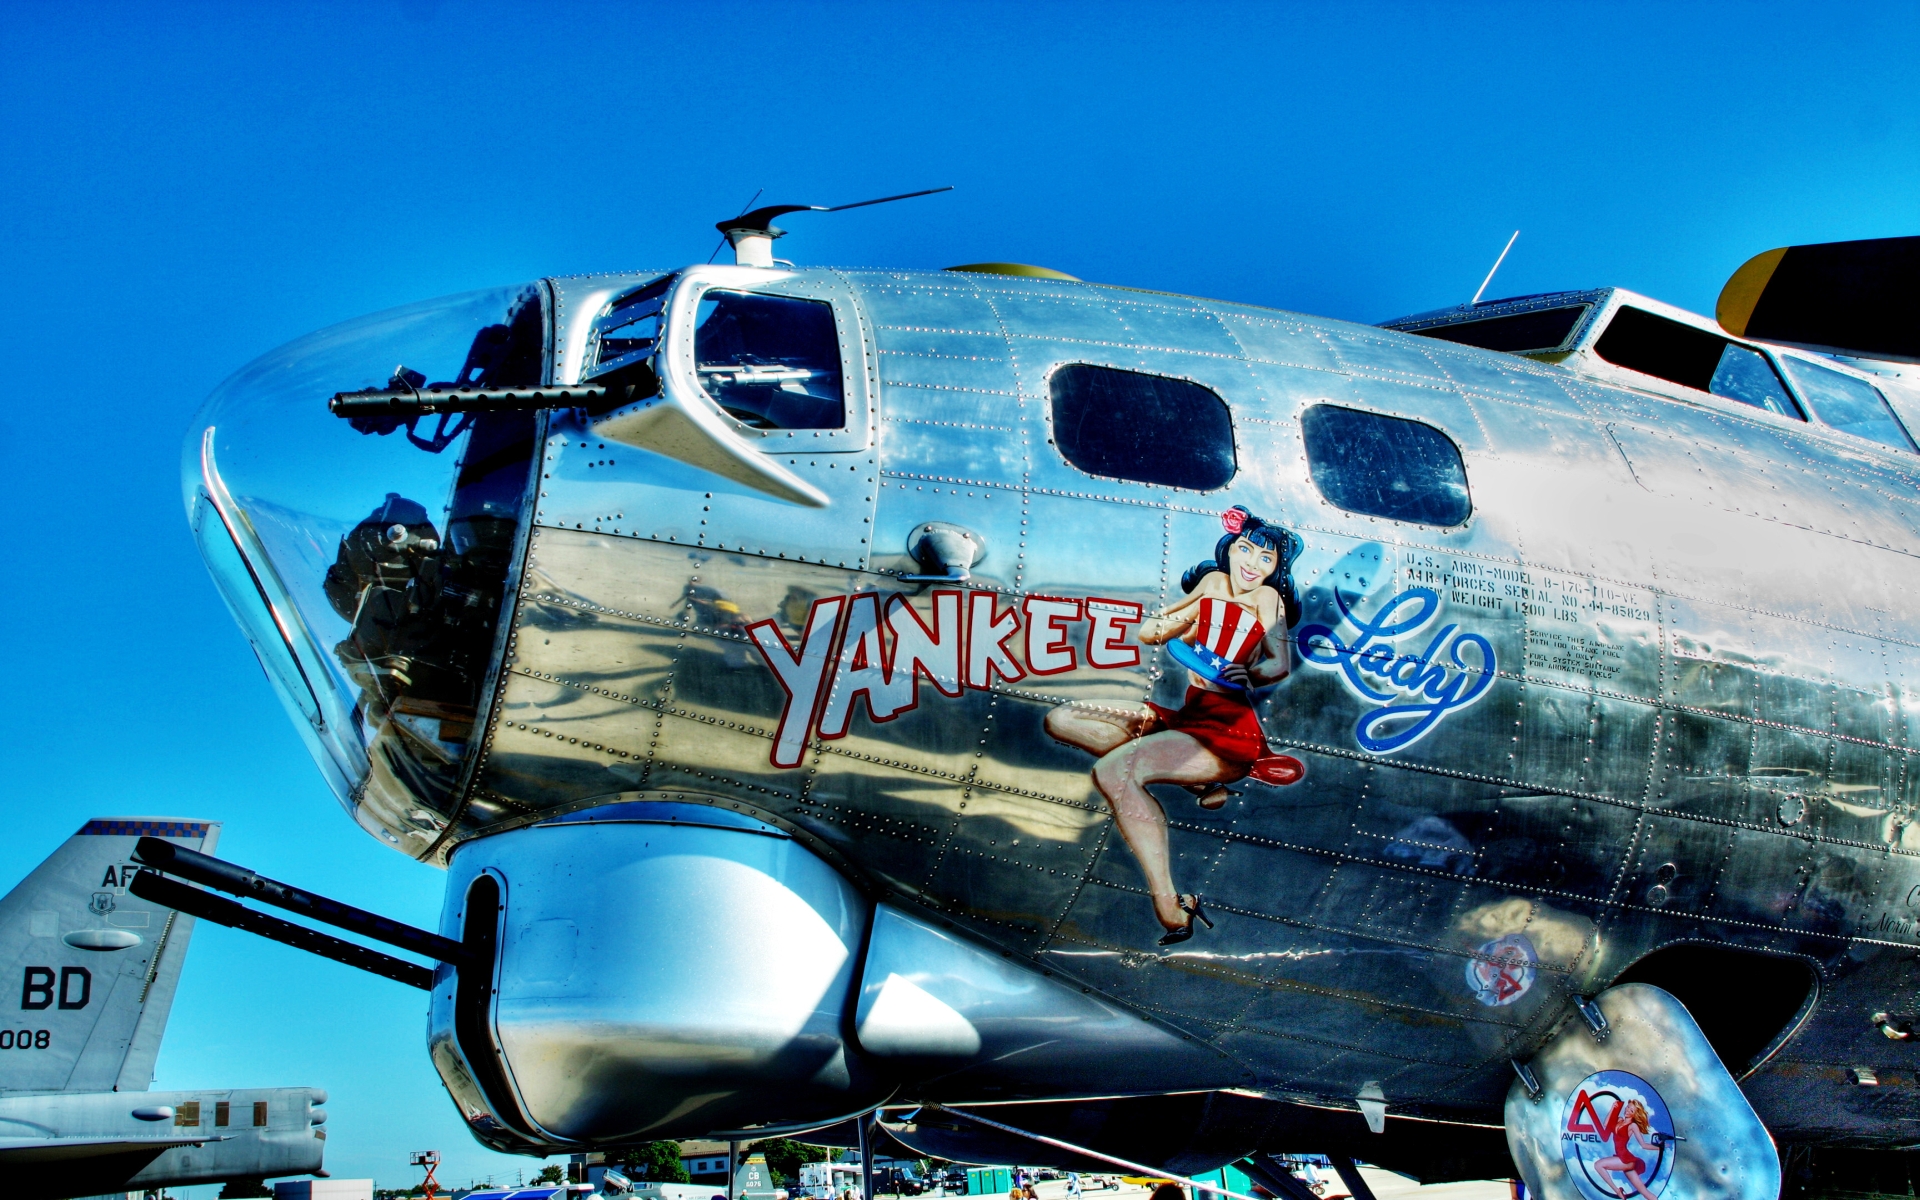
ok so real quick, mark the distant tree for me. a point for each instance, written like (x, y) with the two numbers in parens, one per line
(245, 1189)
(655, 1162)
(551, 1173)
(785, 1156)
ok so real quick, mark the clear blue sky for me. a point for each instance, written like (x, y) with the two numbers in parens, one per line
(183, 187)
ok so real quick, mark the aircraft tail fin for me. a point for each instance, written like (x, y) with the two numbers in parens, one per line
(87, 970)
(1857, 298)
(754, 1177)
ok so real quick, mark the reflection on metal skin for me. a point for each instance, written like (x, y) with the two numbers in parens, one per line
(950, 1011)
(679, 971)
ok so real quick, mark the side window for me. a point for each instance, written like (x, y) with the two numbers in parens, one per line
(772, 362)
(1147, 428)
(627, 333)
(1746, 376)
(1848, 404)
(1385, 467)
(1653, 345)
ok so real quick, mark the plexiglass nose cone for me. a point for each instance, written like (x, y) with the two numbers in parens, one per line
(367, 559)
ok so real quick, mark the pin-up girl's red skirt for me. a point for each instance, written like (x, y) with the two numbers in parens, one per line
(1227, 726)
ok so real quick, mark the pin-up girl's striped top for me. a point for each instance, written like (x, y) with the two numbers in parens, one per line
(1228, 630)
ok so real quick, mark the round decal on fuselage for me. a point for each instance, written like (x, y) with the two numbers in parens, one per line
(1504, 971)
(1617, 1138)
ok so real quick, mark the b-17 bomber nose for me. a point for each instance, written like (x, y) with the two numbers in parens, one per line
(832, 690)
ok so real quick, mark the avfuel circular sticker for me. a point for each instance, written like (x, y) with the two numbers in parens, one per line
(1503, 971)
(1617, 1138)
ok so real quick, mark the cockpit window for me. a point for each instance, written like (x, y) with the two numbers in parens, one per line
(1848, 404)
(1541, 331)
(772, 362)
(1385, 466)
(368, 559)
(1693, 358)
(1746, 376)
(1147, 428)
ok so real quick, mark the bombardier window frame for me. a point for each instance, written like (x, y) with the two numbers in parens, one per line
(676, 354)
(756, 386)
(277, 639)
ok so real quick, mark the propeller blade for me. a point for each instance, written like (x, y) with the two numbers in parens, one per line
(1857, 297)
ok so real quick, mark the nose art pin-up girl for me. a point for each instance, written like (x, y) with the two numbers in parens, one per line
(1230, 632)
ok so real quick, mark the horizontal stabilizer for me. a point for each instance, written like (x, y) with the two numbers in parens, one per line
(25, 1150)
(93, 1143)
(1858, 298)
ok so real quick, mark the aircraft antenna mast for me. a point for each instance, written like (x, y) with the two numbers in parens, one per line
(752, 233)
(1495, 271)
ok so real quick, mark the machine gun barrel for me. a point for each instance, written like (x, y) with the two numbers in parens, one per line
(415, 402)
(229, 877)
(149, 885)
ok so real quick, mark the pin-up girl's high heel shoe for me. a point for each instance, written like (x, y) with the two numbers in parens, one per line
(1195, 913)
(1213, 797)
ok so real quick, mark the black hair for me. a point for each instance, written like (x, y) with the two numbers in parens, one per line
(1260, 533)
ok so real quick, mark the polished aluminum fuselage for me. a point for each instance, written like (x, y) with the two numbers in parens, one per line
(1706, 686)
(1664, 693)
